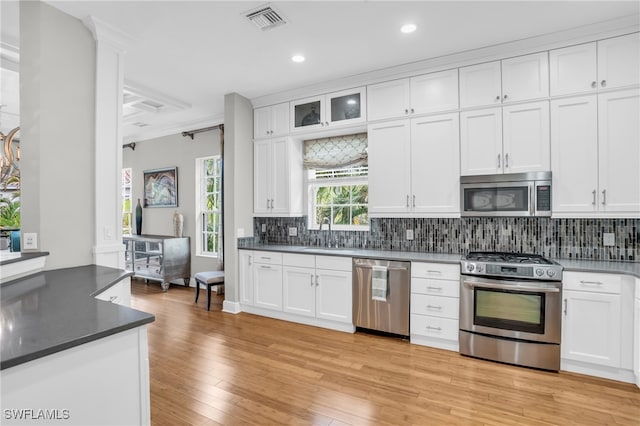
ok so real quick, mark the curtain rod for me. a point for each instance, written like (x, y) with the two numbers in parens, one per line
(190, 133)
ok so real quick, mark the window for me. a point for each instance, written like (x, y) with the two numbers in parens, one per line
(338, 187)
(208, 206)
(340, 196)
(127, 209)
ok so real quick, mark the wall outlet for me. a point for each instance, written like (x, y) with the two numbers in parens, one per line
(609, 239)
(30, 241)
(293, 231)
(263, 227)
(409, 234)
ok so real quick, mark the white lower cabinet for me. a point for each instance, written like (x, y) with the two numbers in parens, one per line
(435, 293)
(267, 280)
(318, 287)
(309, 289)
(636, 334)
(597, 327)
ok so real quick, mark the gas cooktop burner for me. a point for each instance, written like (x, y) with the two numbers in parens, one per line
(481, 256)
(512, 265)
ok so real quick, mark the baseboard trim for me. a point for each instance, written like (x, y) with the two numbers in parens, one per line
(231, 307)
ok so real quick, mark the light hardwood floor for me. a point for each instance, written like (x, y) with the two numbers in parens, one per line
(213, 368)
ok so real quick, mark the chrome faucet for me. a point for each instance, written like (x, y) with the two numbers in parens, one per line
(326, 221)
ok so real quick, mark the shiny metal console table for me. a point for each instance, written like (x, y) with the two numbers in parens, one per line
(158, 258)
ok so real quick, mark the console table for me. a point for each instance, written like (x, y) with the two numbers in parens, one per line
(158, 258)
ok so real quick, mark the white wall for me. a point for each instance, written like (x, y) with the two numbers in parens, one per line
(57, 95)
(238, 187)
(172, 151)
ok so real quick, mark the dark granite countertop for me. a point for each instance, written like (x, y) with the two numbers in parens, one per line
(20, 257)
(54, 310)
(600, 266)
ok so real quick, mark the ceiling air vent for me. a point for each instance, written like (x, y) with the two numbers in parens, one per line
(265, 18)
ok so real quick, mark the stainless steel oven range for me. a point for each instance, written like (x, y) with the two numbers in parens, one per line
(510, 309)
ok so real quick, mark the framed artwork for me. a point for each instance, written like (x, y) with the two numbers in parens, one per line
(161, 187)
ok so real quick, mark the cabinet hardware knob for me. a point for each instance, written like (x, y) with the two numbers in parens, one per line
(412, 110)
(498, 160)
(406, 111)
(434, 272)
(505, 97)
(565, 306)
(604, 197)
(407, 200)
(593, 193)
(433, 328)
(326, 122)
(112, 298)
(414, 200)
(311, 276)
(317, 281)
(434, 288)
(434, 307)
(498, 98)
(603, 83)
(593, 84)
(506, 160)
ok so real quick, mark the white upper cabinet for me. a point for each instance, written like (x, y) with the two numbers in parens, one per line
(574, 154)
(525, 137)
(619, 61)
(271, 121)
(423, 94)
(480, 85)
(510, 80)
(619, 151)
(595, 154)
(277, 177)
(481, 141)
(606, 64)
(341, 108)
(573, 69)
(525, 77)
(509, 139)
(414, 166)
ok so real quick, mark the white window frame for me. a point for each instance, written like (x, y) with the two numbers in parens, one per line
(313, 183)
(200, 233)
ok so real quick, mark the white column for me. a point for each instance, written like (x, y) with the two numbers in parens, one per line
(111, 46)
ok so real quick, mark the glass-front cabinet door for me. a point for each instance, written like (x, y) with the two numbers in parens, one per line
(337, 108)
(347, 106)
(308, 113)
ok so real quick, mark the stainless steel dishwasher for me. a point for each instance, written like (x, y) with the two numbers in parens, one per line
(381, 304)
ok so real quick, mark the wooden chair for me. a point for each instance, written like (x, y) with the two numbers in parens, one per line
(208, 279)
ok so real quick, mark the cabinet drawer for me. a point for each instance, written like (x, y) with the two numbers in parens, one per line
(598, 283)
(299, 260)
(448, 288)
(268, 257)
(428, 326)
(441, 271)
(336, 263)
(437, 306)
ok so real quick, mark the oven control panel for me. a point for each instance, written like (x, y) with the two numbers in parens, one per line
(539, 272)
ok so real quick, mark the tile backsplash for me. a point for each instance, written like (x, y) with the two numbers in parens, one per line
(556, 238)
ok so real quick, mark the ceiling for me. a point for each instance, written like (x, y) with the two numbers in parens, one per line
(186, 55)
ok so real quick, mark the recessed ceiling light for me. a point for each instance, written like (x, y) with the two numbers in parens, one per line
(408, 28)
(297, 58)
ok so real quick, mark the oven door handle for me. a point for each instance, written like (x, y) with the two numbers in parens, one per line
(511, 287)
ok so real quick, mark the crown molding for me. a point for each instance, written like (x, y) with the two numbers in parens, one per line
(577, 35)
(103, 32)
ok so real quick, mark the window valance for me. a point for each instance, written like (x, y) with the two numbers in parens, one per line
(336, 152)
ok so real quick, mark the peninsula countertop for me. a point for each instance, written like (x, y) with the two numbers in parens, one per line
(54, 310)
(572, 265)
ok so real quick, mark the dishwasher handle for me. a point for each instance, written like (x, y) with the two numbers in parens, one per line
(389, 268)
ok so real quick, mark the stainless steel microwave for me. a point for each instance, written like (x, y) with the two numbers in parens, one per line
(515, 194)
